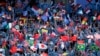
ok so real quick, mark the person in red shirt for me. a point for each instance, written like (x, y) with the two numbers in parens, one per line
(73, 40)
(13, 49)
(36, 35)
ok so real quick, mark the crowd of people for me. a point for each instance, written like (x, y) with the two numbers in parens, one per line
(32, 28)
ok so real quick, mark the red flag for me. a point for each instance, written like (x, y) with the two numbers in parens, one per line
(13, 49)
(42, 46)
(64, 38)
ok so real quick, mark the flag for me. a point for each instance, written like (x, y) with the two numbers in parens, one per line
(42, 46)
(65, 38)
(13, 49)
(94, 47)
(80, 45)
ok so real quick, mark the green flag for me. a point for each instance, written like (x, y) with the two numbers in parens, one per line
(80, 47)
(94, 47)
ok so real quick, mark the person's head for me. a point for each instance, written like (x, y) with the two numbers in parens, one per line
(72, 34)
(64, 50)
(90, 51)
